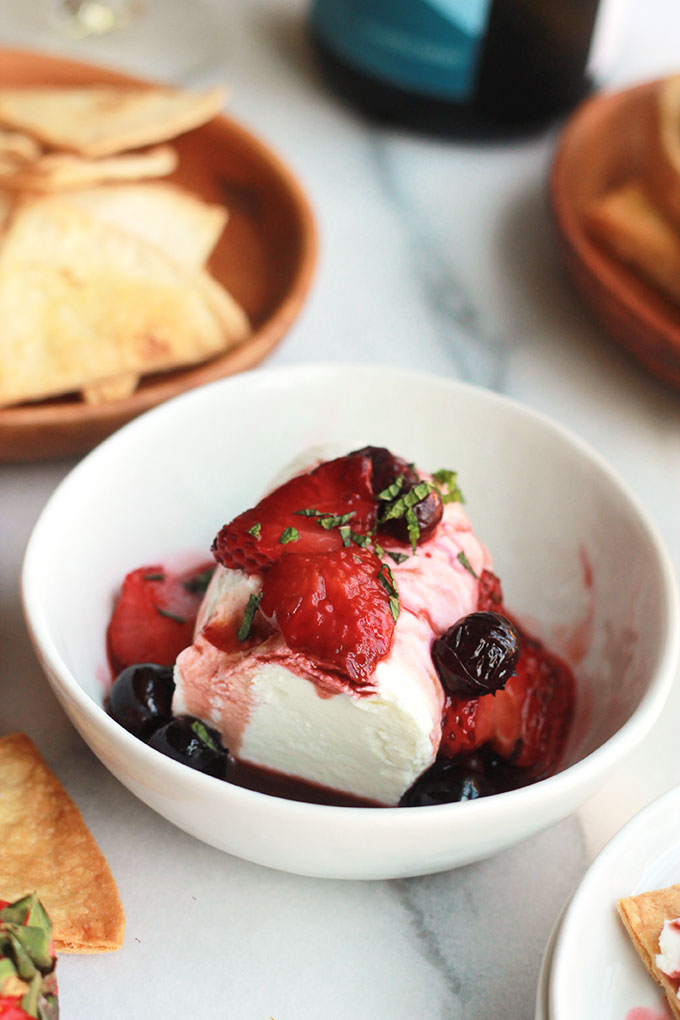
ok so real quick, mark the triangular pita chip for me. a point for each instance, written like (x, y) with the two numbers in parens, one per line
(101, 120)
(81, 302)
(632, 229)
(58, 171)
(643, 917)
(184, 226)
(46, 847)
(19, 146)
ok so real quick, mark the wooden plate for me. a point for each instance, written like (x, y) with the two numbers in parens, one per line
(601, 147)
(265, 257)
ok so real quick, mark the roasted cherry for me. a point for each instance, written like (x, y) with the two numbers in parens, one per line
(477, 655)
(387, 469)
(428, 515)
(141, 698)
(446, 782)
(190, 741)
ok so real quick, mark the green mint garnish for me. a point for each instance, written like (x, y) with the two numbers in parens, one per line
(203, 734)
(397, 556)
(462, 558)
(399, 507)
(198, 584)
(255, 530)
(289, 535)
(310, 512)
(170, 616)
(154, 577)
(413, 528)
(392, 491)
(386, 578)
(361, 540)
(244, 630)
(379, 551)
(329, 521)
(345, 533)
(447, 486)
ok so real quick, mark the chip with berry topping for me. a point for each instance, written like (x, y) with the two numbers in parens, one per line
(646, 918)
(46, 846)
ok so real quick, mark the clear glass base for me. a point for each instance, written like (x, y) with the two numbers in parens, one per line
(173, 40)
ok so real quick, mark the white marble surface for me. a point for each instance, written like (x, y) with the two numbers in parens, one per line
(433, 255)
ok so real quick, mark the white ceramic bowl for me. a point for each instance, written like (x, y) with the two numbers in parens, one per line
(578, 557)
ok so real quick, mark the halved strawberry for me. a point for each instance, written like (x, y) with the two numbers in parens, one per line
(335, 490)
(526, 723)
(154, 616)
(334, 607)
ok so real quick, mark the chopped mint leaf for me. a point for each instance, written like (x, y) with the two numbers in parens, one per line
(399, 507)
(397, 556)
(255, 530)
(244, 630)
(310, 512)
(198, 584)
(447, 486)
(289, 535)
(361, 540)
(329, 521)
(345, 532)
(154, 577)
(386, 578)
(394, 607)
(170, 616)
(379, 551)
(413, 528)
(203, 734)
(393, 490)
(462, 558)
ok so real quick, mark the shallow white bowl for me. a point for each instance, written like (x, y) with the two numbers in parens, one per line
(579, 560)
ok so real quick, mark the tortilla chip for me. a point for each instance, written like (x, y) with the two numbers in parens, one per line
(184, 226)
(59, 171)
(101, 120)
(18, 146)
(643, 917)
(81, 302)
(633, 230)
(46, 847)
(110, 389)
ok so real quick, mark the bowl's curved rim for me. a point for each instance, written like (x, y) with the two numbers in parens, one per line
(575, 776)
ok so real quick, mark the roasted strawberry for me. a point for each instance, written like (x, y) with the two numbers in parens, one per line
(338, 607)
(28, 984)
(526, 723)
(490, 597)
(154, 616)
(304, 515)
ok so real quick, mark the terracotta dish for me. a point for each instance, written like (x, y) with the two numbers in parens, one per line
(266, 258)
(603, 145)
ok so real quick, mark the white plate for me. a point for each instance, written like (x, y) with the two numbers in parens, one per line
(596, 974)
(542, 991)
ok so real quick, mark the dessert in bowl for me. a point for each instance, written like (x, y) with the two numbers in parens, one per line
(582, 571)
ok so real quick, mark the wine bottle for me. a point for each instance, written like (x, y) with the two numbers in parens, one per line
(477, 67)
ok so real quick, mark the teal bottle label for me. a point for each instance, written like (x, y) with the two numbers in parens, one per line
(427, 46)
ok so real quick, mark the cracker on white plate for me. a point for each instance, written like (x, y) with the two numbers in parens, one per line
(101, 120)
(643, 917)
(84, 303)
(47, 847)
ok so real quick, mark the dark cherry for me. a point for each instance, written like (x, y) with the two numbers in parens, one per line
(446, 782)
(428, 515)
(387, 468)
(478, 655)
(193, 743)
(141, 698)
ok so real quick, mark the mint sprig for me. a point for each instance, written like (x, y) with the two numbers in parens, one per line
(251, 608)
